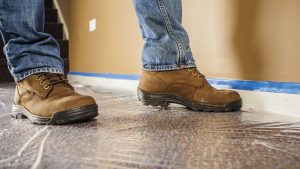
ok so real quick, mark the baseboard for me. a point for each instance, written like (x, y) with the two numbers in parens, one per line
(281, 98)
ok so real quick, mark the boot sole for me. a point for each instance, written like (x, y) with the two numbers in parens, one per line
(164, 100)
(64, 117)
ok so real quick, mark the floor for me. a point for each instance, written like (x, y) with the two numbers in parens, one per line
(127, 134)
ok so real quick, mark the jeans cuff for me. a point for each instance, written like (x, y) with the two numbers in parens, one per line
(156, 68)
(19, 77)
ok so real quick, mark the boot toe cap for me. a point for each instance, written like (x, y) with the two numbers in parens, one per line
(234, 95)
(75, 102)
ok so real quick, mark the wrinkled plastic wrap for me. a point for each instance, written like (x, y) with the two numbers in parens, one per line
(127, 134)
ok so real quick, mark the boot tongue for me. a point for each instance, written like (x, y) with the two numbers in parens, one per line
(59, 84)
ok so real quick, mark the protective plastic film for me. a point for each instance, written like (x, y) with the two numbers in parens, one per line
(127, 134)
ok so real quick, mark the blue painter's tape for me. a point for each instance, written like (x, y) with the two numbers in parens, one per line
(107, 75)
(262, 86)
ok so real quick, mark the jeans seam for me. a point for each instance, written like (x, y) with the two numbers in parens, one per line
(1, 34)
(169, 28)
(21, 76)
(168, 67)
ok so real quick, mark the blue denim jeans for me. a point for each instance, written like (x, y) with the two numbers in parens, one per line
(29, 50)
(166, 41)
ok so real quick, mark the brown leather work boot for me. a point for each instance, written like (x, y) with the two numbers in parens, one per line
(48, 98)
(186, 87)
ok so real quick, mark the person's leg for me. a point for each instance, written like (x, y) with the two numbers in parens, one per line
(27, 48)
(170, 74)
(166, 41)
(42, 92)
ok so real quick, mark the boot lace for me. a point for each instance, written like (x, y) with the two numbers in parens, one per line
(53, 79)
(200, 76)
(196, 72)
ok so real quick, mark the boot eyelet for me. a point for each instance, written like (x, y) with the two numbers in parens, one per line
(194, 73)
(200, 77)
(38, 78)
(189, 69)
(46, 87)
(42, 83)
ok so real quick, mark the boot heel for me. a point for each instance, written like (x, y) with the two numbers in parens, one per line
(18, 112)
(151, 99)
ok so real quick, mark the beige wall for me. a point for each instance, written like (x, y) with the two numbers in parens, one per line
(236, 39)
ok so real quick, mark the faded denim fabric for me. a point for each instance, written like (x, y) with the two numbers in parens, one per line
(28, 50)
(166, 41)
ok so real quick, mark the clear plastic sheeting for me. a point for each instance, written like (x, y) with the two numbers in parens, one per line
(127, 134)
